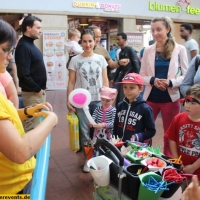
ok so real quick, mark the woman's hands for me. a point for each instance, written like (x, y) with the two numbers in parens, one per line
(70, 108)
(161, 84)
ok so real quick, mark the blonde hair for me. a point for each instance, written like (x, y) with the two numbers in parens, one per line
(194, 90)
(170, 43)
(73, 32)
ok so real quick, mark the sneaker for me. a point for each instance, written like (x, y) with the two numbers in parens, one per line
(86, 168)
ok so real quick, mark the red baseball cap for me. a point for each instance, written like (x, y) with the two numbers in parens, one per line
(132, 78)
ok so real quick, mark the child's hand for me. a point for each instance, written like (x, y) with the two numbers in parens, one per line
(99, 126)
(192, 191)
(188, 169)
(133, 138)
(91, 125)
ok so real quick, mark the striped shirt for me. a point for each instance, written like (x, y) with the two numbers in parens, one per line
(106, 116)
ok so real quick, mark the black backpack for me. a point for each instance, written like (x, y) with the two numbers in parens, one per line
(197, 62)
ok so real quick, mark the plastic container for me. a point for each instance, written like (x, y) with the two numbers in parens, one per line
(134, 168)
(175, 165)
(132, 180)
(145, 193)
(134, 159)
(101, 175)
(172, 188)
(152, 167)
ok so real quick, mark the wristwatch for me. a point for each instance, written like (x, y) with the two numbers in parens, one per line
(25, 112)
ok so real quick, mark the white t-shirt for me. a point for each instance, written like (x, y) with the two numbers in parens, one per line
(191, 45)
(89, 73)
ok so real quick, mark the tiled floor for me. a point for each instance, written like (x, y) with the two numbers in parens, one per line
(66, 181)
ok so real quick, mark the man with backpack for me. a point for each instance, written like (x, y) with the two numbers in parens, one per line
(192, 76)
(133, 66)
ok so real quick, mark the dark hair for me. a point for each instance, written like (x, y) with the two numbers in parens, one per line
(194, 90)
(124, 36)
(187, 27)
(93, 27)
(7, 34)
(87, 31)
(29, 21)
(170, 43)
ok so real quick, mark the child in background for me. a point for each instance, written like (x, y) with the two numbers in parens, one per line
(104, 115)
(184, 133)
(71, 45)
(134, 119)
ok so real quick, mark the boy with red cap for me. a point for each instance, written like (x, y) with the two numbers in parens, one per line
(134, 119)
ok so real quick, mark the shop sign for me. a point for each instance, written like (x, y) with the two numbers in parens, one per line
(181, 6)
(135, 40)
(107, 7)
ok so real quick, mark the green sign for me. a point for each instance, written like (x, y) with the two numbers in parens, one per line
(154, 6)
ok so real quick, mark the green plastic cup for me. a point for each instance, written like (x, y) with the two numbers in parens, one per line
(145, 193)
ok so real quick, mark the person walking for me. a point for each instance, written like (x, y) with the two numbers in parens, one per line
(30, 67)
(159, 69)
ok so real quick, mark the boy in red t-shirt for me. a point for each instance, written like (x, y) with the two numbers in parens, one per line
(184, 133)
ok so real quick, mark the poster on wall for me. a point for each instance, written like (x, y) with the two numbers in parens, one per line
(55, 58)
(135, 40)
(71, 25)
(76, 24)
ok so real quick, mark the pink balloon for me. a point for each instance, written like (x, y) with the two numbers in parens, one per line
(79, 98)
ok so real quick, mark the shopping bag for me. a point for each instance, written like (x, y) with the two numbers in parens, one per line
(88, 149)
(73, 131)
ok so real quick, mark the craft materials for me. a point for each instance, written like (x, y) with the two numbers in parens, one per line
(155, 150)
(175, 160)
(155, 162)
(139, 171)
(155, 185)
(171, 175)
(140, 154)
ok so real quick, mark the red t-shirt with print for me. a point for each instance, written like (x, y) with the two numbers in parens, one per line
(186, 134)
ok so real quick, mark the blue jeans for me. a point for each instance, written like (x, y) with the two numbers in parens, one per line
(84, 127)
(21, 105)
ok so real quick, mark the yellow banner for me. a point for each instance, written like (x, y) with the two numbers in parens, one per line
(14, 196)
